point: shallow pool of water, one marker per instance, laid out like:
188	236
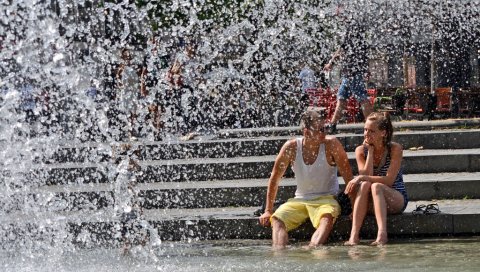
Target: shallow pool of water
256	255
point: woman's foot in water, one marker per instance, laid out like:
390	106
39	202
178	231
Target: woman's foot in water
382	239
353	241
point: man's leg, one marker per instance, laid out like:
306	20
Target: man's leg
323	231
279	234
342	95
341	104
359	92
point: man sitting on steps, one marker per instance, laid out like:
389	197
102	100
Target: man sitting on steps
315	158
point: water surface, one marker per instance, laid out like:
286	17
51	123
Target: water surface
256	255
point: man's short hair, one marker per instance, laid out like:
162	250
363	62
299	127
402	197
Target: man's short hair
310	116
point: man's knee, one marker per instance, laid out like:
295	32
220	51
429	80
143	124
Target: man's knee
277	223
327	218
326	222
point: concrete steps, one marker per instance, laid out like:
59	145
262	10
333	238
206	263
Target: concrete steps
209	189
457	217
352	128
228	193
252	167
245	147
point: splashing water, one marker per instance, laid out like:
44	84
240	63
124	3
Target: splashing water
61	85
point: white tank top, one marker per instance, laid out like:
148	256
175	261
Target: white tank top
317	179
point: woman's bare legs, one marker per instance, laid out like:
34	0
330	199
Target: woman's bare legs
386	200
360	208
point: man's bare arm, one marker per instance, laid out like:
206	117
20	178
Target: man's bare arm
283	160
335	56
341	160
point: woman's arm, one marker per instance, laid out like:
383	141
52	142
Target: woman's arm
365	166
396	156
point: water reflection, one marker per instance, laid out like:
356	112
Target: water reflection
254	255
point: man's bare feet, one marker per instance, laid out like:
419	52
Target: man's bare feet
279	247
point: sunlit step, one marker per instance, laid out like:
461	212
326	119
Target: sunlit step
85	154
221	193
91	229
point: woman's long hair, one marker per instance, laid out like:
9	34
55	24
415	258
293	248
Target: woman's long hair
384	123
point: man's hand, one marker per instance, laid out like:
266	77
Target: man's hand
265	219
335	56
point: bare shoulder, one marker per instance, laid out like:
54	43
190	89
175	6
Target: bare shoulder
331	140
332	143
396	147
290	144
289	149
360	149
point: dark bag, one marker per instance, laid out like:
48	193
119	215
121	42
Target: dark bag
345	203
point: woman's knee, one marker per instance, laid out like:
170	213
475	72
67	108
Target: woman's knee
365	187
377	188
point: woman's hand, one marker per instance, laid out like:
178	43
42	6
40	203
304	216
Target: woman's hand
370	147
352	186
367	144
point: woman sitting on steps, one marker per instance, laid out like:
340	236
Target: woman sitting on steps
379	188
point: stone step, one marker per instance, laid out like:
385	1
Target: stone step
89	229
457	217
244	147
225	193
414	162
350	128
201	169
244	193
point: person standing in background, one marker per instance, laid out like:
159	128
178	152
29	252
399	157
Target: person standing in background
353	57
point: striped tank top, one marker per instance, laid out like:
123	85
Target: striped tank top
398	185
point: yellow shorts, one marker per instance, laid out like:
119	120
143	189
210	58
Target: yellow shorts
295	211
